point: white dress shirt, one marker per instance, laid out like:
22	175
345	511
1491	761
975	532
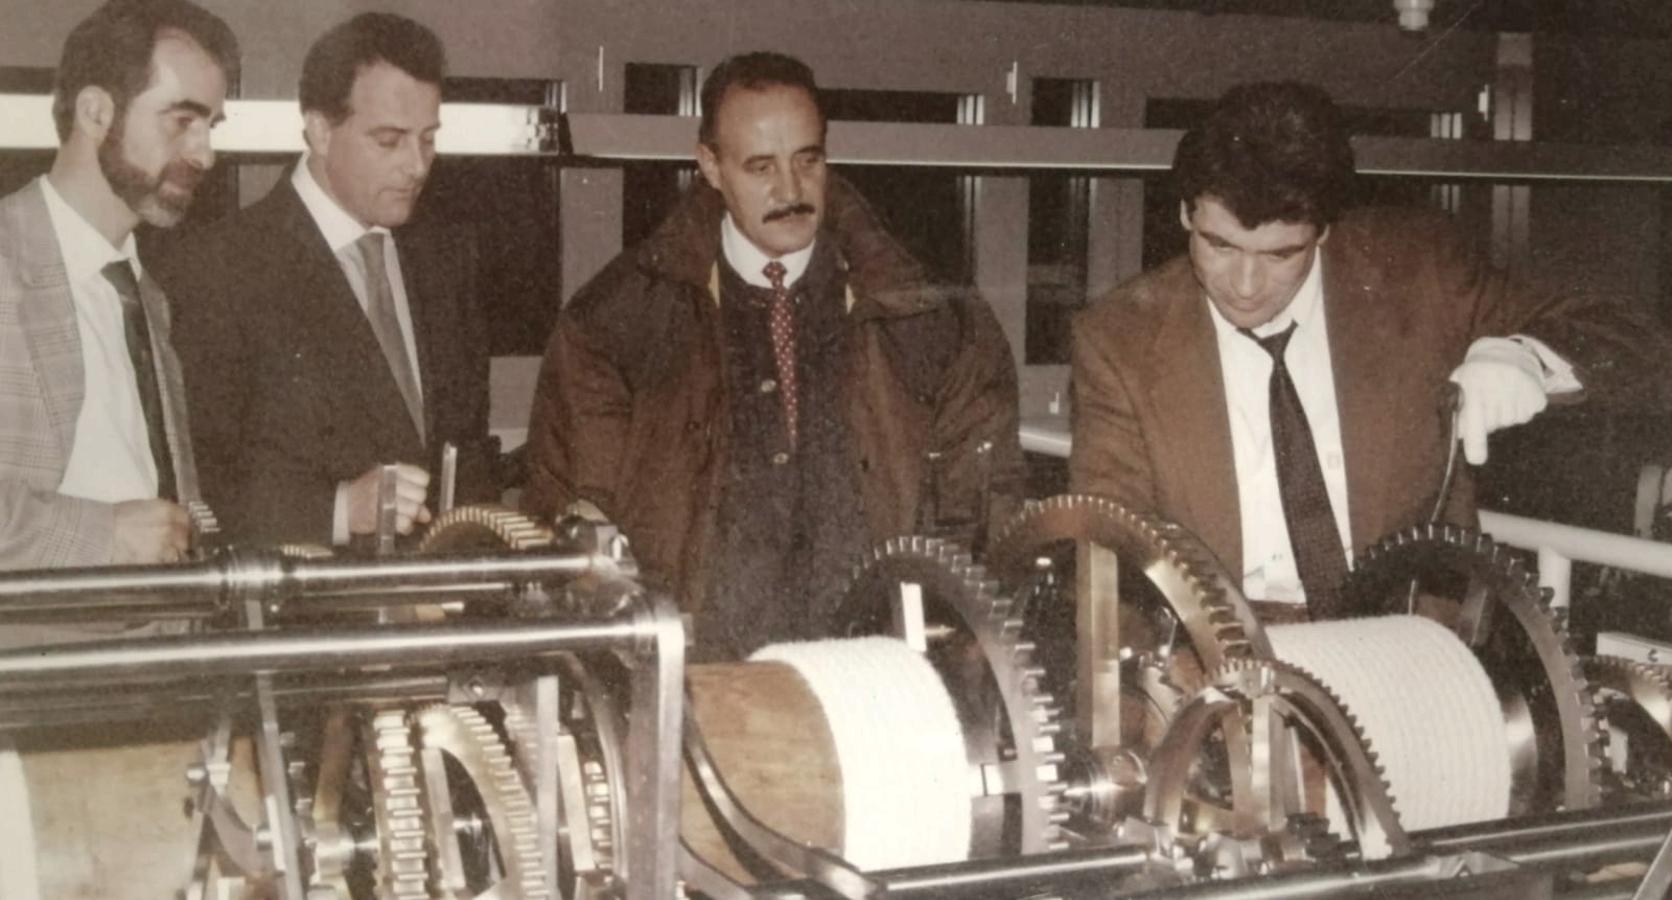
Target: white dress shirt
1268	569
110	458
342	233
750	263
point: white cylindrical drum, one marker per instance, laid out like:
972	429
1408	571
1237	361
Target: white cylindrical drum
1422	698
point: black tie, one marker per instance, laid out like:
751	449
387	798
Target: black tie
121	276
1319	557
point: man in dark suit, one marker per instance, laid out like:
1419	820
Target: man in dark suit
320	338
1278	390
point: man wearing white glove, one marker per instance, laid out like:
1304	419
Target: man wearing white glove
1504	382
1281	390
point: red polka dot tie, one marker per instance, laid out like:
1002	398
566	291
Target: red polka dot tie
783	342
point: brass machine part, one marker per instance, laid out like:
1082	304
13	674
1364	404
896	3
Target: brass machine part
1151	610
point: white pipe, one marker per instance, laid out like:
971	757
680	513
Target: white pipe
1580	544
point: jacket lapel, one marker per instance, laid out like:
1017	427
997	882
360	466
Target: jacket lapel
1187	397
327	303
46	313
1357	334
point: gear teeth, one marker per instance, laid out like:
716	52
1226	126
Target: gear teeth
484	526
404	865
463	733
992	619
1378	583
1332	721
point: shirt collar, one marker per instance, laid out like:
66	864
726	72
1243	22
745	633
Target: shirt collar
1302	310
85	250
339	228
748	260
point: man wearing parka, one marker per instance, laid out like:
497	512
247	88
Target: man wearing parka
755	429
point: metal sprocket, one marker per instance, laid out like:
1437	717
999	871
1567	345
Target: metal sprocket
484	526
1635	701
1253	706
1196	591
1464	580
403	859
1011	723
466	736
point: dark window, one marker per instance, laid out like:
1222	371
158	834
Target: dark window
1059	205
650	189
509	205
928	210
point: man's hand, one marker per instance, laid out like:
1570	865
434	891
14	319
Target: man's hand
1503	385
411	485
150	531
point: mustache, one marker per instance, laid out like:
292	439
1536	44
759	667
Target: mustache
797	209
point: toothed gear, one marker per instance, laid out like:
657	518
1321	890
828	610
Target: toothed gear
403	859
1198	592
592	720
484	526
463	733
1635	700
305	551
1534	661
1228	707
947	574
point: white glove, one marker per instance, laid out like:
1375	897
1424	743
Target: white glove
1503	385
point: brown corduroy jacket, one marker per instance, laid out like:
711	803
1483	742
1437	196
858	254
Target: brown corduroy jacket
1404	297
630	412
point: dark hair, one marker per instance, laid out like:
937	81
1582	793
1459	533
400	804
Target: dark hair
1270	152
335	60
753	71
112	49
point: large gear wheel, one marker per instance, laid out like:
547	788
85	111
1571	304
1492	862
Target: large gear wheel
482	527
1204	600
1010	722
403	858
1634	700
364	826
483	786
589	743
1252	709
1172	606
1485	594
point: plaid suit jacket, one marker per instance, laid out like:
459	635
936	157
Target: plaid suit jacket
41	391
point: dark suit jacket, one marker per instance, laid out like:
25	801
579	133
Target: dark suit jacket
1404	297
289	391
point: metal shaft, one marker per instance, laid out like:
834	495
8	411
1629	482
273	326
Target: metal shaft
244	653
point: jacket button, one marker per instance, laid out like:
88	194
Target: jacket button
768	385
780	458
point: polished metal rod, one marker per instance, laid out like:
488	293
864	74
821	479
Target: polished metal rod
999	877
244	653
201	588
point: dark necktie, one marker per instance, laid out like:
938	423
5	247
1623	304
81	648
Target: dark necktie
138	333
380	309
783	342
1319	557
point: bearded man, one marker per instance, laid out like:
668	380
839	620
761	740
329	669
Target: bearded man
95	456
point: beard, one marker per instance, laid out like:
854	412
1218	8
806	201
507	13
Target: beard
161	200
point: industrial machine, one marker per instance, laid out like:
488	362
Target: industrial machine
1094	710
